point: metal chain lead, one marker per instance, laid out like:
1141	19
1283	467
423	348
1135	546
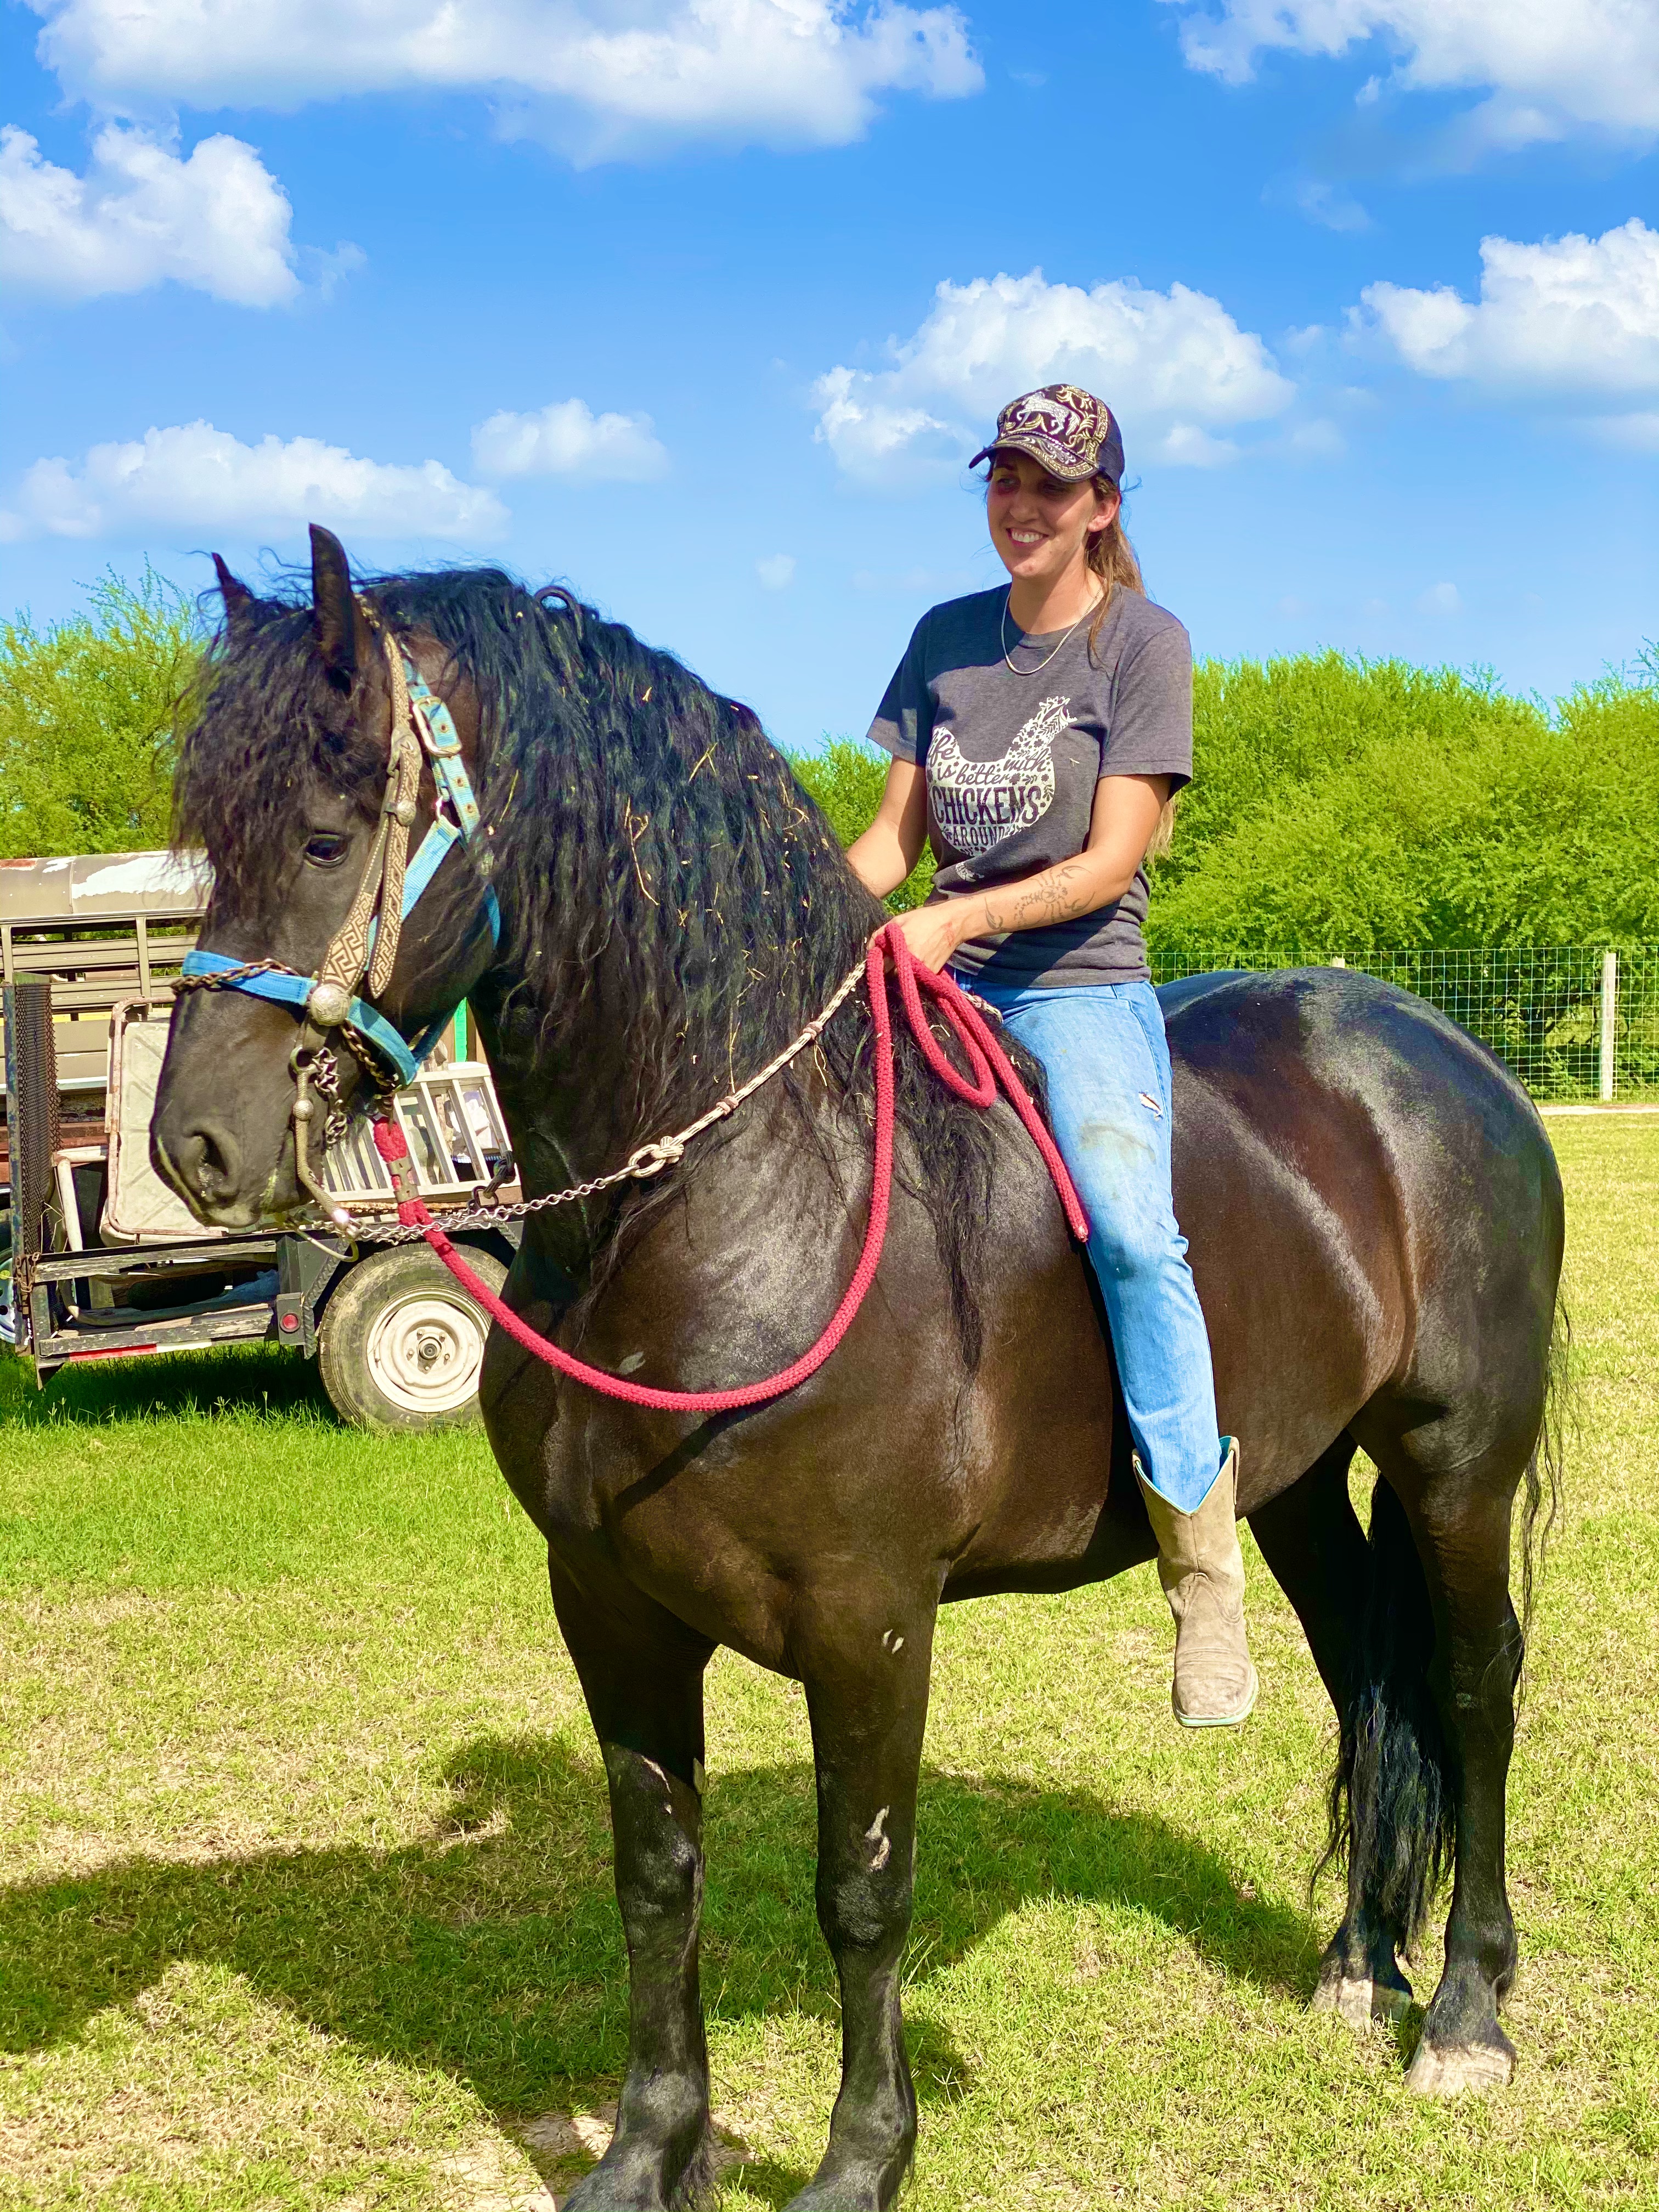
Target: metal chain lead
640	1165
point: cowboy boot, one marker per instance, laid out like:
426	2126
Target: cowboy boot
1202	1571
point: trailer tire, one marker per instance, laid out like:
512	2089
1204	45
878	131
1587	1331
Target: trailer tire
400	1343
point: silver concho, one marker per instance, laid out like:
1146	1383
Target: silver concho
328	1006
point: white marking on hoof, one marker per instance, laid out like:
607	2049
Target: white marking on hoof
876	1835
1479	2067
1360	2002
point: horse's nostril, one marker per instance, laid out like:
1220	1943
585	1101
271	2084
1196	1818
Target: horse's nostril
207	1160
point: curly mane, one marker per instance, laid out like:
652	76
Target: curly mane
648	843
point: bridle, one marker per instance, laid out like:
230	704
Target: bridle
366	943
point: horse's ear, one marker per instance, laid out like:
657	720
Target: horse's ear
232	591
340	627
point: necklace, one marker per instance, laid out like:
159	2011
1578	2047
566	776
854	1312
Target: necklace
1052	649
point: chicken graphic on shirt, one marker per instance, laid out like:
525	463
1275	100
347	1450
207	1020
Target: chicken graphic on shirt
976	803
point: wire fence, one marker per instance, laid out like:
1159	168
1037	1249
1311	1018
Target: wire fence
1574	1022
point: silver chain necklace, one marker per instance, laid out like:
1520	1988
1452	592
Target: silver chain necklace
1052	649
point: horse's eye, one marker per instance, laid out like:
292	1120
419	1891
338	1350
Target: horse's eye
327	849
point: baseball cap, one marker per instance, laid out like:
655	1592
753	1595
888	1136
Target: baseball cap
1067	430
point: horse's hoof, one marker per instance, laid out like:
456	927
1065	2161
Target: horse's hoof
625	2182
1479	2067
1361	2002
855	2184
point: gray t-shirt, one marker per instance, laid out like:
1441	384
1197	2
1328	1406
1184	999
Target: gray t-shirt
1012	760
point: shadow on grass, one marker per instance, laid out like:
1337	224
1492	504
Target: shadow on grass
241	1379
491	1947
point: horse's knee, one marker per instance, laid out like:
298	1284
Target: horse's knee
861	1908
657	1829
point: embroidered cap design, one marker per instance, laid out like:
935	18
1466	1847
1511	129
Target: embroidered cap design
1071	432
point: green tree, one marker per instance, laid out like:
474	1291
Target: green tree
1345	805
89	709
1345	808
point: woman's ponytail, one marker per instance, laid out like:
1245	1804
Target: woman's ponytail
1112	558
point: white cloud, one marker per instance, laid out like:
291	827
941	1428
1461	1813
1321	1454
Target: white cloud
597	77
568	439
1316	439
1441	600
1573	315
1548	67
1330	206
195	477
1174	365
217	219
777	571
1634	434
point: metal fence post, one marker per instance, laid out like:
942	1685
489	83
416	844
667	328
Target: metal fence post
1609	1024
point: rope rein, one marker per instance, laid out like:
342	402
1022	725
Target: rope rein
364	950
647	1160
991	1069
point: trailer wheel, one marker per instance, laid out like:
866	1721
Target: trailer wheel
400	1343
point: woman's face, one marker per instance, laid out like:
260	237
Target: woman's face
1040	527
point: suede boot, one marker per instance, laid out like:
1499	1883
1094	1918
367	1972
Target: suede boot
1202	1571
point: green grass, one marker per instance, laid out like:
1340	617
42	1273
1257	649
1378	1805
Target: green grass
307	1897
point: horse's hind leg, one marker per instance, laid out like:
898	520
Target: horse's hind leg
866	1663
1310	1537
1459	1516
641	1673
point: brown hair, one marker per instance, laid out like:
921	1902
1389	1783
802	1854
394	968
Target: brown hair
1112	558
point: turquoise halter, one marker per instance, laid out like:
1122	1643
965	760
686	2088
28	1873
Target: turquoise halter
367	942
440	742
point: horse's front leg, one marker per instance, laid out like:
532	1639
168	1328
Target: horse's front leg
642	1673
865	1666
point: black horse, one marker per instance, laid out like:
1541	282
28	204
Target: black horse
1375	1226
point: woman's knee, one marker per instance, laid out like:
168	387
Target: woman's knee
1133	1243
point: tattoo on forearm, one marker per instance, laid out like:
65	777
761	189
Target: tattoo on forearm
1059	894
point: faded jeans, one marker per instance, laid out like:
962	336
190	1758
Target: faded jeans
1102	1049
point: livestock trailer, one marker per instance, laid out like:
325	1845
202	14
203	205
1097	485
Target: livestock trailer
101	1260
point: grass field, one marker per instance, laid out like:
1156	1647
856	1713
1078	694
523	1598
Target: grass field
307	1895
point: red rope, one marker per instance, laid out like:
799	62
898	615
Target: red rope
990	1066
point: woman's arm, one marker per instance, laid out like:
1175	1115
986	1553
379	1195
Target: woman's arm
884	855
1124	819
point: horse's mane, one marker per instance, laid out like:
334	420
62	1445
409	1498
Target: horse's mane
647	842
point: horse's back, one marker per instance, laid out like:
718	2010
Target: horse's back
1373	1206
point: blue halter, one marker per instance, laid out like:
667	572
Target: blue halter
440	743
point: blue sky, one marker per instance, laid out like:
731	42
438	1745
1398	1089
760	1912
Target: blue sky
702	304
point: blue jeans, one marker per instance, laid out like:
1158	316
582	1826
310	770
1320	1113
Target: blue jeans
1102	1048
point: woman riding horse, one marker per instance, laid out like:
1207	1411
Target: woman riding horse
1038	735
643	910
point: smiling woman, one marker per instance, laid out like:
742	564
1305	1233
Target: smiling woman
1038	734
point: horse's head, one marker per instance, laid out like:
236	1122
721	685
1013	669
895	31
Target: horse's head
310	780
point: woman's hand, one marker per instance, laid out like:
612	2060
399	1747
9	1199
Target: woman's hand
932	932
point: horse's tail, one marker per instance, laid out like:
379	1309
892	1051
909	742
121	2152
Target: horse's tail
1541	1490
1393	1805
